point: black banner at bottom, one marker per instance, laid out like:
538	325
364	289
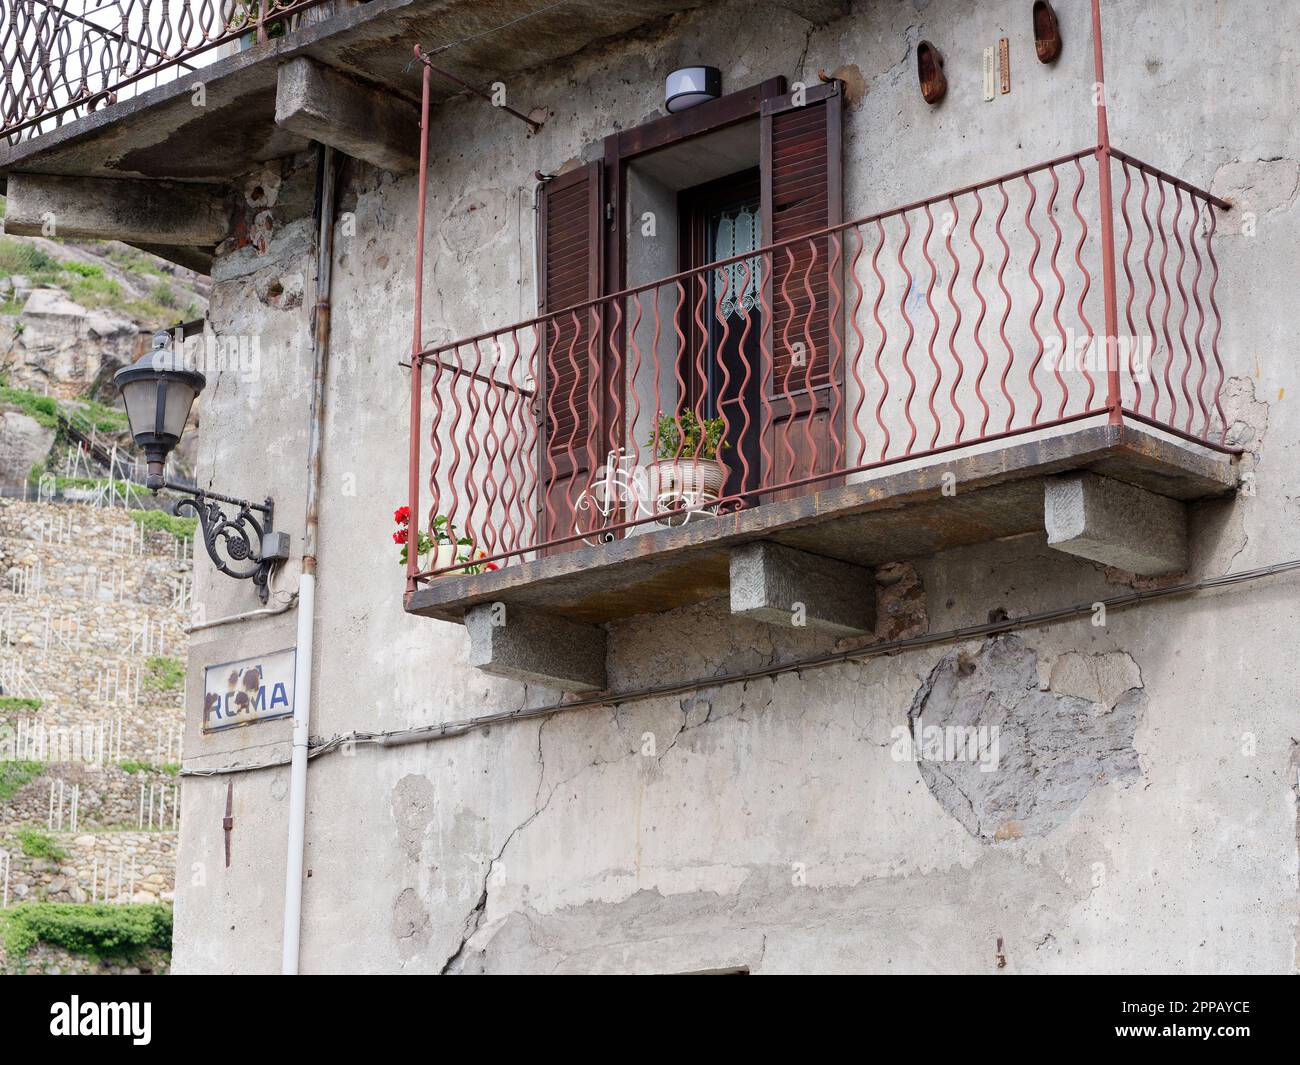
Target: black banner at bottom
184	1013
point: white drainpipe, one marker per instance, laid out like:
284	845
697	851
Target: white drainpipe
293	878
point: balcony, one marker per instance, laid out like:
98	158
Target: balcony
178	103
926	377
96	90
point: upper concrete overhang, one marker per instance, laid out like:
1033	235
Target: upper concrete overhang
162	134
900	511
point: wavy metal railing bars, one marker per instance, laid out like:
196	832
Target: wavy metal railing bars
61	59
962	319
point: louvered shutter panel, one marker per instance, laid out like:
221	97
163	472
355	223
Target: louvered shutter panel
801	194
569	270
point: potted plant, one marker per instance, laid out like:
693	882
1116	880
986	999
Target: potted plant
243	20
687	471
445	545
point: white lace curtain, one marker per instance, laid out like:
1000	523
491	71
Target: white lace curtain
737	233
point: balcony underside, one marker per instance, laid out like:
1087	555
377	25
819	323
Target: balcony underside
160	133
896	512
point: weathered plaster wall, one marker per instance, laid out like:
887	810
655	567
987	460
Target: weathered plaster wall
770	825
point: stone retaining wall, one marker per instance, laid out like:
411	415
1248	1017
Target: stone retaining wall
45	959
97	867
108	797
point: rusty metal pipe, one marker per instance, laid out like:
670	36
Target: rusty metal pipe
417	342
419	54
307	580
1107	225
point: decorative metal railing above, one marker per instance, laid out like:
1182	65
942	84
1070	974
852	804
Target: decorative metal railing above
61	59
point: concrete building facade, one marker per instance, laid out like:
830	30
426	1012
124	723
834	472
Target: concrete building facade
1025	746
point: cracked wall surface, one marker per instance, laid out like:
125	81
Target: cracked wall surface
770	825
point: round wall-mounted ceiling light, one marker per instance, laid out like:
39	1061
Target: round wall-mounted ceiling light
690	86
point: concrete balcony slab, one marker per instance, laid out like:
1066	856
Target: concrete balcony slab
161	133
901	511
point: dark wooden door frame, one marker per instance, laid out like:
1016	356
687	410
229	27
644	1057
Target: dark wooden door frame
623	147
695	207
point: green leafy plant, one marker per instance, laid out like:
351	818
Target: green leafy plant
161	521
13	775
685	436
39	845
133	766
247	19
43	409
443	533
163	674
164	295
89	414
19	702
84	269
93	929
27	260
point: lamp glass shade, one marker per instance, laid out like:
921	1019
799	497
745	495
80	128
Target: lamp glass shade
141	400
158	398
180	398
690	86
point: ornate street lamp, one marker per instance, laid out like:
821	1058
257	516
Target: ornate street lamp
158	392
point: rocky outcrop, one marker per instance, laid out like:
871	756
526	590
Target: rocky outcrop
24	443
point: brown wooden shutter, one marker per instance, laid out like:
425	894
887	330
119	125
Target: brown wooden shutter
569	272
801	193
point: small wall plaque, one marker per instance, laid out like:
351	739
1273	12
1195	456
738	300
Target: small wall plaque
253	689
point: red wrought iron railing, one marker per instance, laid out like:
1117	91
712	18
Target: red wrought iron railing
60	59
973	316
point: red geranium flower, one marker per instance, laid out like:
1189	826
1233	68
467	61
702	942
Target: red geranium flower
399	537
402	515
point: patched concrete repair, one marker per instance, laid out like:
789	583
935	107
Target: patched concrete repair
1008	758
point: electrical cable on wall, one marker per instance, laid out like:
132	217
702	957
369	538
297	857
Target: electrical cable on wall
446	730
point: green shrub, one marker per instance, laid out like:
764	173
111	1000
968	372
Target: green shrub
125	488
13	775
96	291
161	521
43	408
132	261
163	295
18	257
19	702
84	269
163	674
39	845
88	414
132	766
94	929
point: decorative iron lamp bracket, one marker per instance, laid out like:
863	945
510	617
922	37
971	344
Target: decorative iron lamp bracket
241	546
158	391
